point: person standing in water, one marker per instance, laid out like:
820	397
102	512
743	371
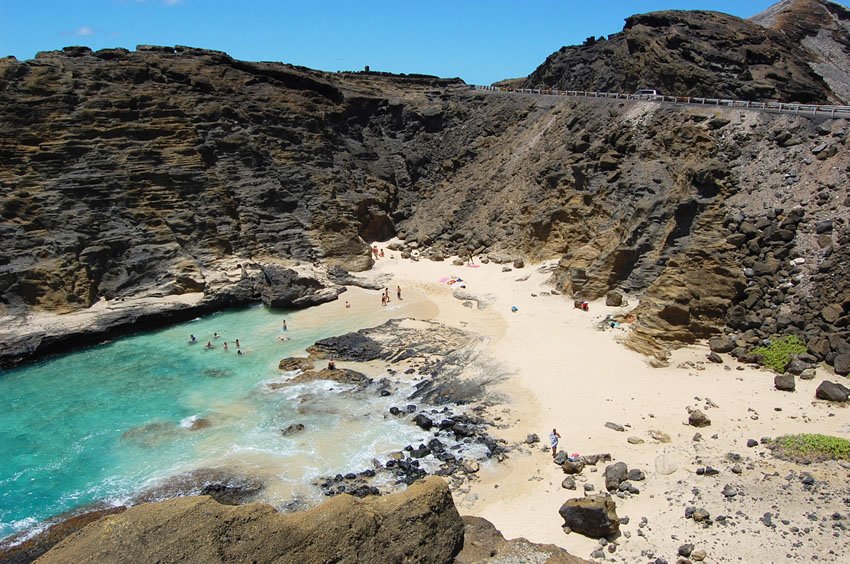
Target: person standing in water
225	346
237	343
553	441
284	325
398	292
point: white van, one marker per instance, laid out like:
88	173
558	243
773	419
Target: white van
646	94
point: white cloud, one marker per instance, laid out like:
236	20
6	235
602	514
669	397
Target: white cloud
84	31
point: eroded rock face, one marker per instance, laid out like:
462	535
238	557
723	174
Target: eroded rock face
694	53
420	524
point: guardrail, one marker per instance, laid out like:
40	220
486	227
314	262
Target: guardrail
777	107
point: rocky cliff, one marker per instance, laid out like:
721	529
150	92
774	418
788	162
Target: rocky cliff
797	51
193	180
420	524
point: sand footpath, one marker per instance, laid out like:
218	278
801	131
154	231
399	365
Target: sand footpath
568	374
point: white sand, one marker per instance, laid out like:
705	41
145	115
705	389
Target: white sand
571	376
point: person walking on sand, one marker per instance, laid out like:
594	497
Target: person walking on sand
553	441
398	292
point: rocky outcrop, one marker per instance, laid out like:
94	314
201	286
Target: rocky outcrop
709	54
420	524
482	542
822	27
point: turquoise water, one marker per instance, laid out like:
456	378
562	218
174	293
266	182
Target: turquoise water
102	423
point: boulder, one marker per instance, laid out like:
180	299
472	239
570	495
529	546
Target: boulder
519	263
722	344
841	363
569	483
572	467
615	474
532	439
293	363
715	358
832	312
423	421
282	287
784	382
614	298
698	419
593	516
420	524
831	391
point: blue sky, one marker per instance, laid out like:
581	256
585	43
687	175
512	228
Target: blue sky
479	40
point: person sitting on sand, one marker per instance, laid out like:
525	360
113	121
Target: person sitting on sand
331	364
347	305
381	253
553	440
209	345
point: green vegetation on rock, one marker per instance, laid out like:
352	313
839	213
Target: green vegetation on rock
811	447
779	353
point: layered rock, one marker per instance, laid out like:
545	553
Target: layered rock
714	55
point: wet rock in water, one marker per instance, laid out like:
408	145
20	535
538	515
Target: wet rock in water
218	483
698	419
615	474
593	516
832	391
532	439
292	429
423	422
784	382
341	375
293	363
200	423
14	552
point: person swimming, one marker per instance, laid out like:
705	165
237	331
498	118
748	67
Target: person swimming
237	343
193	339
216	336
239	352
225	346
209	345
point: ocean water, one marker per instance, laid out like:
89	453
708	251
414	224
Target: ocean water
108	421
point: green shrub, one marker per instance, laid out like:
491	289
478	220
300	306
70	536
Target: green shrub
811	448
779	353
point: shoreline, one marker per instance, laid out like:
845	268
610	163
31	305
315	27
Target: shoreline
558	370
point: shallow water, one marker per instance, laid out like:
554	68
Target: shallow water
105	422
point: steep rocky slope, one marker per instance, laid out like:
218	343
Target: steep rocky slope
157	173
821	27
710	54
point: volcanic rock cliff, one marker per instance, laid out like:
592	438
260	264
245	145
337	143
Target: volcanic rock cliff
174	172
796	51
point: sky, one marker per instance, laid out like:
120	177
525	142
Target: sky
481	41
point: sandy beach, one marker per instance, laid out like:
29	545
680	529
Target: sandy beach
567	374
